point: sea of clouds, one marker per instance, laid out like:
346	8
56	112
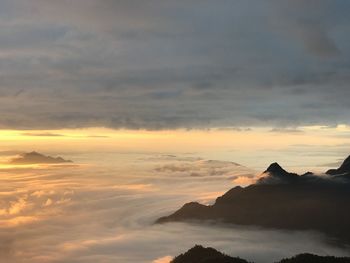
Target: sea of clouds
102	209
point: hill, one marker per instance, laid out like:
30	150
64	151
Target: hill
280	199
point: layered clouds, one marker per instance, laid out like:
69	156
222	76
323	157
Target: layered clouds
105	213
166	64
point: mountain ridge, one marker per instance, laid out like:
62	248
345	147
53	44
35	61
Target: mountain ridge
344	168
305	202
37	158
200	254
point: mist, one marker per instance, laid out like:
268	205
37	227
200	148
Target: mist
104	211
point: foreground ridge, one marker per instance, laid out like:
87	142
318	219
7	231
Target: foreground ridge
200	254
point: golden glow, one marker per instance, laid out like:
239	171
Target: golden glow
165	259
167	140
20	220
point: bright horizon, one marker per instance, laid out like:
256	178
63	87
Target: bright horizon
227	143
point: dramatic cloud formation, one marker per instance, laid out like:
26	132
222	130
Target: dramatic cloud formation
42	210
168	64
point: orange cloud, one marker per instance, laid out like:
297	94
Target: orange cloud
165	259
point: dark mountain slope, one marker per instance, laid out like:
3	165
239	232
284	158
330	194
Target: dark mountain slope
344	169
199	254
275	174
291	201
309	258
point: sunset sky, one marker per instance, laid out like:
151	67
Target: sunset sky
170	71
140	94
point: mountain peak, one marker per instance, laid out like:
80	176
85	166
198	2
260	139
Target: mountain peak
276	169
202	254
346	163
343	169
275	174
37	158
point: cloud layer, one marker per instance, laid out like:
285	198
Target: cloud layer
165	64
42	210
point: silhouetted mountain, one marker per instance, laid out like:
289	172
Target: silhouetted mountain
199	254
275	174
276	170
310	258
344	169
37	158
280	200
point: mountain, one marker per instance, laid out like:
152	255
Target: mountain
275	174
199	254
37	158
280	199
310	258
344	169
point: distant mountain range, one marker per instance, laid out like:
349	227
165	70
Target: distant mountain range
199	254
284	200
37	158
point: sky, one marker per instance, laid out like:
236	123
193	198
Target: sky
158	65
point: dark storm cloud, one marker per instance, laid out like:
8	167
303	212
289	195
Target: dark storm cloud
166	64
313	21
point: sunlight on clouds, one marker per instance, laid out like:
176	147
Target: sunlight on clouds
175	141
105	212
17	221
48	202
165	259
17	206
5	166
137	187
41	193
32	199
88	243
243	180
343	127
316	127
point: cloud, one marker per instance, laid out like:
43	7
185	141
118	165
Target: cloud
165	259
166	64
318	42
9	153
286	130
17	206
117	209
205	168
45	134
312	22
98	136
